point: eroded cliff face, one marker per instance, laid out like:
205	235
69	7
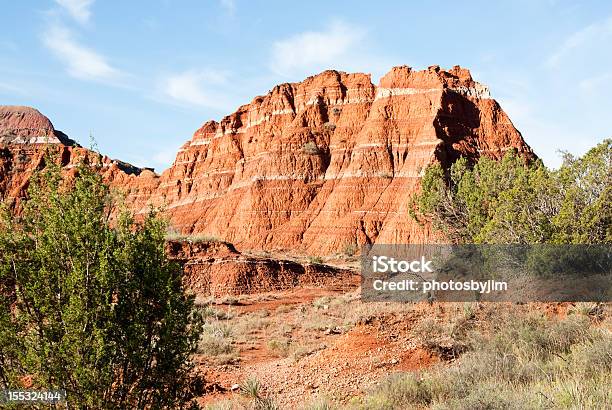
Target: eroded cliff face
326	163
331	161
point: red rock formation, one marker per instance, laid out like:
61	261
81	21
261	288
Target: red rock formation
22	125
25	137
217	268
325	163
331	161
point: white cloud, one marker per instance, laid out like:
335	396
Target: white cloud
205	88
80	10
315	50
595	37
229	5
81	62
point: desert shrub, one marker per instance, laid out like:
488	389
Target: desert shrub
97	308
315	260
311	148
595	356
284	308
320	404
518	201
448	340
266	403
488	397
594	311
400	389
329	126
207	312
246	324
224	405
229	300
204	238
216	339
253	390
534	338
527	363
322	302
349	249
299	351
280	347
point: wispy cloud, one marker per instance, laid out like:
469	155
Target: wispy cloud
80	10
202	88
229	5
81	62
315	50
592	37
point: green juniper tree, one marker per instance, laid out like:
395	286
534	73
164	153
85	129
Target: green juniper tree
515	201
585	187
90	305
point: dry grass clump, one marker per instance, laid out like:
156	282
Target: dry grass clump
524	361
315	260
280	347
217	339
320	404
252	390
177	236
449	338
247	325
252	397
346	311
209	312
350	249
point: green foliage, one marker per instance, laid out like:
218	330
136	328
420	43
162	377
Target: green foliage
252	389
585	214
92	308
517	201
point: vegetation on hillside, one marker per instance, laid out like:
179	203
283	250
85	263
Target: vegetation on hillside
523	362
88	306
518	201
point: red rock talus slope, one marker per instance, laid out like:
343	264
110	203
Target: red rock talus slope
329	162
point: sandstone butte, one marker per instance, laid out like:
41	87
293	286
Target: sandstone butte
310	167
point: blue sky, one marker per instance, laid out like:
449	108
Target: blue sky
141	76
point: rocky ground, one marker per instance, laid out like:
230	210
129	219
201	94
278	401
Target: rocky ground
306	345
309	343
